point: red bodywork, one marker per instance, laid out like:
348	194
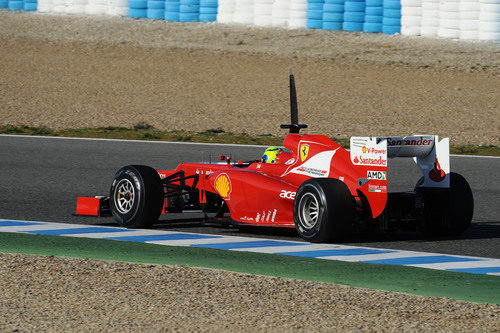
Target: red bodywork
262	194
88	206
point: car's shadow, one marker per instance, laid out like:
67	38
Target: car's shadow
478	230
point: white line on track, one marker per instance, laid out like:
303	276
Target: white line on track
304	246
481	156
180	143
134	141
127	233
383	256
205	241
297	248
488	265
461	264
40	227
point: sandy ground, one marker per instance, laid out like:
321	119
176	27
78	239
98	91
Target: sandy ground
81	295
67	72
90	72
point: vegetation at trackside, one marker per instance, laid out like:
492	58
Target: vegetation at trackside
412	280
143	131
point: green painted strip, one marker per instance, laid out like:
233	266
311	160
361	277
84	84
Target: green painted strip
419	281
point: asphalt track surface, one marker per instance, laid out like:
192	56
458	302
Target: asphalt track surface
41	178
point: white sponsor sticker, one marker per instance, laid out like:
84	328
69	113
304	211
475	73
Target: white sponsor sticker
377	188
366	151
316	166
207	172
287	194
409	146
378	175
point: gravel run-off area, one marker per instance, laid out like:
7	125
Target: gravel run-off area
68	295
78	71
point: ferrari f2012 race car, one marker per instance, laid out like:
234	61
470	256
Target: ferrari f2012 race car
315	186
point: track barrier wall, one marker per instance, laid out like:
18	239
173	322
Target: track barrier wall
455	19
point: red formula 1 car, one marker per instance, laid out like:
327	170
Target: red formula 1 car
315	186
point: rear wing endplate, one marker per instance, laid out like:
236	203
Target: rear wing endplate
431	155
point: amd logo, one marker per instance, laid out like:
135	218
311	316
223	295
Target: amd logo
287	194
378	175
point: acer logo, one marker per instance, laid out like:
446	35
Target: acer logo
287	194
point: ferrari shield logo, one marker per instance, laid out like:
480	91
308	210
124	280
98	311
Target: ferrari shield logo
304	151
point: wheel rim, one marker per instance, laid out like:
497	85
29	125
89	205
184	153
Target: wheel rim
124	196
309	210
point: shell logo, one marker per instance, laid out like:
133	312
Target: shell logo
364	149
223	185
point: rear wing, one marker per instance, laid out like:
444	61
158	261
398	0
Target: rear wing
431	155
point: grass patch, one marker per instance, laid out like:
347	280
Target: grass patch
144	131
476	150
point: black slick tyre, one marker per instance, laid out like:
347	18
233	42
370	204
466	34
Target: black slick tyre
136	196
448	212
323	210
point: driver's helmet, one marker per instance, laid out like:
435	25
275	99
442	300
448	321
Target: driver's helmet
271	154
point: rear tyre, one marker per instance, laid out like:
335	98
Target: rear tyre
448	212
136	196
323	210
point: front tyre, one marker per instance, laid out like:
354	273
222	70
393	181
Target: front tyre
323	210
136	196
